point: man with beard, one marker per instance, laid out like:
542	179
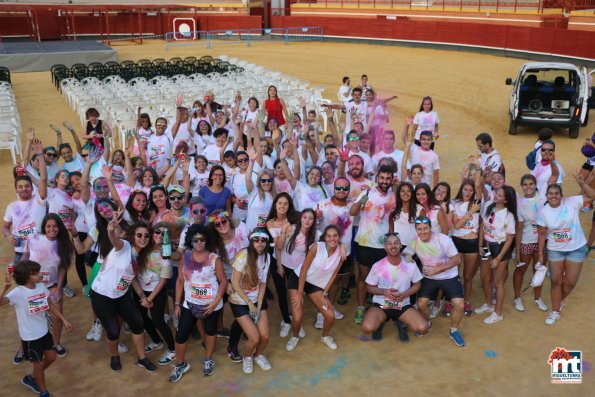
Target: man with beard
354	148
374	206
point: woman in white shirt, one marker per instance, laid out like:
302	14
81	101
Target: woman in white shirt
426	120
248	302
315	277
111	296
260	200
560	225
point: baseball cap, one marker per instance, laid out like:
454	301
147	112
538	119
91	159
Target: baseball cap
176	188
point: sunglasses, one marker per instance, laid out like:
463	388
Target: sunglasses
259	239
175	198
353	138
266	180
199	240
158	231
160	125
223	222
424	221
200	211
142	235
84	155
51	154
547	150
387	235
242	160
344	188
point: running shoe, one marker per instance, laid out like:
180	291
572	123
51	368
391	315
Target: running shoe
208	367
284	329
292	343
483	309
60	351
179	371
126	328
122	348
541	304
344	297
493	318
248	365
263	363
166	318
377	335
69	292
91	333
518	304
234	355
359	315
329	342
401	330
147	365
468	309
319	323
167	357
338	314
447	310
30	382
457	338
115	364
302	333
18	357
44	394
223	333
153	346
552	318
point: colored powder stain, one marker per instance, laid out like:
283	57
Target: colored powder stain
490	353
587	366
315	380
363	338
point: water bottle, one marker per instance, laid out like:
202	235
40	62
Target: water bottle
166	245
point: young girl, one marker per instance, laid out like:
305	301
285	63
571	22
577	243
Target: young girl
402	219
306	195
315	277
426	120
137	207
31	301
95	129
275	107
53	249
248	303
498	230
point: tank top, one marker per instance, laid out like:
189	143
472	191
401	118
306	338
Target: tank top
275	110
200	282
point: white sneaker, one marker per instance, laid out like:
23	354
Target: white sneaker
175	321
91	333
518	304
291	343
483	309
167	357
541	304
126	328
284	329
302	333
67	291
338	314
166	318
122	348
434	311
153	346
552	318
263	363
247	365
329	342
493	318
319	321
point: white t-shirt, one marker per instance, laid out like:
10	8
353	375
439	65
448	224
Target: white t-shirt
239	242
373	223
26	218
543	173
116	273
298	254
77	164
239	265
239	190
563	224
60	203
200	285
344	89
425	122
527	209
156	269
368	163
30	306
405	229
428	159
497	224
213	153
385	275
184	135
360	116
337	215
493	161
159	151
396	155
306	196
44	252
248	117
435	252
258	209
471	225
323	267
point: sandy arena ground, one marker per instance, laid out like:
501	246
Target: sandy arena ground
508	358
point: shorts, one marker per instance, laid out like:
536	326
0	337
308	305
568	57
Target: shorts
578	255
33	349
530	249
345	267
393	314
496	248
452	288
367	256
293	282
466	246
243	310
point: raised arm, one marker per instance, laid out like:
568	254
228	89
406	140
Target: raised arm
252	156
292	179
178	102
27	151
130	178
42	187
112	230
107	174
75	137
337	136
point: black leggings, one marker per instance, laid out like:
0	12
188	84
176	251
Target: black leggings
281	288
155	322
81	271
188	321
107	310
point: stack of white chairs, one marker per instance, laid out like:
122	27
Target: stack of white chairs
118	100
10	122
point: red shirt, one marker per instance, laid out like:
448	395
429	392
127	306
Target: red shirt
275	110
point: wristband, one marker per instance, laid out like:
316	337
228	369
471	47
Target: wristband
325	294
176	304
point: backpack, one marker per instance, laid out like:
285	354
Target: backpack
531	157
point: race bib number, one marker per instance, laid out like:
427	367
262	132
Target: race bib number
488	230
562	235
201	291
535	228
469	225
123	283
37	303
45	277
393	305
261	220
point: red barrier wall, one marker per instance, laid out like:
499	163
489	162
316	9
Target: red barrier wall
545	40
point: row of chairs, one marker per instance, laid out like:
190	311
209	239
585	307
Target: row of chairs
5	74
10	122
148	69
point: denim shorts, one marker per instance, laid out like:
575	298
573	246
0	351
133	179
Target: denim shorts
578	255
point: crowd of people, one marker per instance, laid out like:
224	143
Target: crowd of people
190	218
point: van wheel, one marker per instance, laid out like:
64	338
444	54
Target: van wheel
573	132
512	129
